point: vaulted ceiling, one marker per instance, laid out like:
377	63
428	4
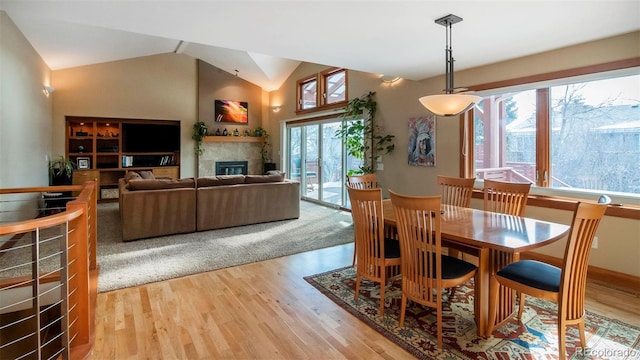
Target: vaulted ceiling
266	40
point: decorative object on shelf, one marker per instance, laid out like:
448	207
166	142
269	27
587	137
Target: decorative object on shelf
82	133
218	132
365	139
225	132
199	131
258	132
60	171
449	104
84	163
80	148
246	132
232	111
236	132
422	141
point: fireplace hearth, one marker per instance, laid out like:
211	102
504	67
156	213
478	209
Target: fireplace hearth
231	167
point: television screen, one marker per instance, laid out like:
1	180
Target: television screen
151	137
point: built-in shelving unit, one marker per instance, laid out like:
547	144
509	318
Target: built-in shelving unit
104	149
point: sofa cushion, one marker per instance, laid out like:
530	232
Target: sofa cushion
147	175
220	180
252	179
132	175
157	184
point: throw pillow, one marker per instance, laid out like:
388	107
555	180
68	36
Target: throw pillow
131	175
147	175
220	180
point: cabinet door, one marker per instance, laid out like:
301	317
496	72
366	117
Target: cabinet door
168	171
81	176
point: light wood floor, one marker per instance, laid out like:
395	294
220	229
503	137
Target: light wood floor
264	310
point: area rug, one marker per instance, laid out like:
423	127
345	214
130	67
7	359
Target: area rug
126	264
534	338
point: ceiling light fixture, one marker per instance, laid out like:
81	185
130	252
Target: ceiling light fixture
449	104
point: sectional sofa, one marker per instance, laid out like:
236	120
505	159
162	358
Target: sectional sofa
151	207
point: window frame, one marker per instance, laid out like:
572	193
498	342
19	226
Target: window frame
542	195
321	93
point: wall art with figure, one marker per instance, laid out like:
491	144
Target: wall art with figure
422	141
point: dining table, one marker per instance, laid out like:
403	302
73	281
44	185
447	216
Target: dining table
496	239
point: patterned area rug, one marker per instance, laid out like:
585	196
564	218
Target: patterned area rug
534	338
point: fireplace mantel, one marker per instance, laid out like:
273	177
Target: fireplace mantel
252	139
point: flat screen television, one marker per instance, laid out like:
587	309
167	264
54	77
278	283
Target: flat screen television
151	137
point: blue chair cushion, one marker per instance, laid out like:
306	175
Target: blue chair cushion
533	273
453	267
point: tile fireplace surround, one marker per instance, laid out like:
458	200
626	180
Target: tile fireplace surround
229	151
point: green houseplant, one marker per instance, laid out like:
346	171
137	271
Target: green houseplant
60	171
364	139
200	130
265	150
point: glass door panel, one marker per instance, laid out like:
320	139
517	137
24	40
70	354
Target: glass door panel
331	178
311	156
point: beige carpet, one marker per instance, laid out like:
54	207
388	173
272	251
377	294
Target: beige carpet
125	264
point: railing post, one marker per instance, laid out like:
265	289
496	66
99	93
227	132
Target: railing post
80	268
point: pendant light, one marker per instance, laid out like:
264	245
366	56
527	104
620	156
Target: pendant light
449	104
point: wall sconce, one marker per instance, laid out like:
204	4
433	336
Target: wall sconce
48	90
276	108
389	79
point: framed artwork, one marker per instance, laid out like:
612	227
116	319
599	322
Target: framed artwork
84	163
422	141
232	111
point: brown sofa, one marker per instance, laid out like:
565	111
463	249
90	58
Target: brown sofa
152	207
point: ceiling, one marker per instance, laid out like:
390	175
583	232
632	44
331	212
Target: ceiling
266	40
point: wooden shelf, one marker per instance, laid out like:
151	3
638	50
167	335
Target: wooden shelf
233	139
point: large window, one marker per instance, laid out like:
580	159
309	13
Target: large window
573	134
322	91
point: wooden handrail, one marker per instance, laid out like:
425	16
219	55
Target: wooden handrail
78	304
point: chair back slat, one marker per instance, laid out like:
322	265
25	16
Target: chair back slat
418	223
368	222
365	181
506	197
576	258
456	191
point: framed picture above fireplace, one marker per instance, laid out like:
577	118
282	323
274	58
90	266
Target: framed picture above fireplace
229	111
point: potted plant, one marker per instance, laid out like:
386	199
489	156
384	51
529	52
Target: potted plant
265	150
60	171
363	137
199	132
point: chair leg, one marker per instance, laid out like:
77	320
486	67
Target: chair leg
561	339
439	320
354	254
583	339
357	287
403	308
493	291
520	305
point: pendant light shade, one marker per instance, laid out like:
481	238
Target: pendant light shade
449	104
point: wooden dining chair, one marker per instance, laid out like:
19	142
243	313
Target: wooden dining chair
457	192
506	197
425	270
364	181
564	285
374	252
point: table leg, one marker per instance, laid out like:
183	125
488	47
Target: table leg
481	303
504	307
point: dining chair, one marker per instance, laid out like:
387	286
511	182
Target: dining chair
506	197
425	270
375	253
564	285
364	181
457	192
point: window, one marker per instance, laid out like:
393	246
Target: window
581	134
322	91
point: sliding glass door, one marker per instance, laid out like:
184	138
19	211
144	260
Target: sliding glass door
315	158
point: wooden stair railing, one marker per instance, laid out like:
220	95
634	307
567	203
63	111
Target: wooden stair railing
28	301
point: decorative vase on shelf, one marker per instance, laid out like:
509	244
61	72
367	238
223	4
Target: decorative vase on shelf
218	132
236	132
225	132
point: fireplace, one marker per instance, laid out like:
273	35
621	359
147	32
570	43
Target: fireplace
231	167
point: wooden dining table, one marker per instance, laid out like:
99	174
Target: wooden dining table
496	239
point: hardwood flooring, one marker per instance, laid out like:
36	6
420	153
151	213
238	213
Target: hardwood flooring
263	310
